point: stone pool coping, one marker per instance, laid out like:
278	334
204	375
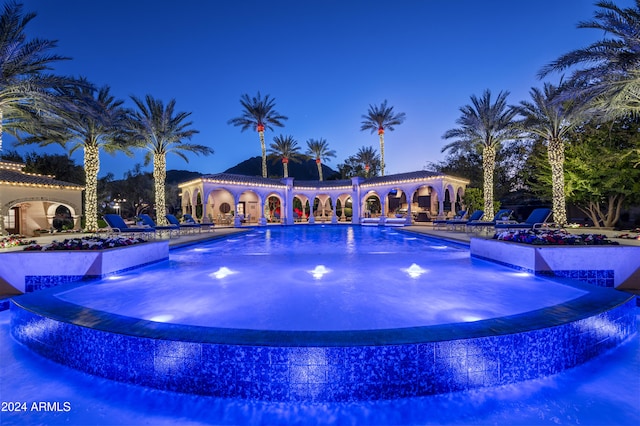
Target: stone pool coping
595	301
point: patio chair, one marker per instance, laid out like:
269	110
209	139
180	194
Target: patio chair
455	223
479	225
188	219
442	223
148	221
536	219
184	227
118	226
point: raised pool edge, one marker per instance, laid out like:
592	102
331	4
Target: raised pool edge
329	365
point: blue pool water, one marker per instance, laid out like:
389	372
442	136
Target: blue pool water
602	391
321	278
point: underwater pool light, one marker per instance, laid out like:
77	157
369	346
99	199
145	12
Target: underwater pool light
415	271
222	273
319	271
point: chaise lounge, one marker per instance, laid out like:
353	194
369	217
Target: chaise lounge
183	226
536	219
479	225
117	226
442	223
170	229
455	223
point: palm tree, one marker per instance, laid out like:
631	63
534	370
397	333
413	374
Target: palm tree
259	114
483	128
550	119
319	149
606	73
24	87
381	118
160	130
91	121
369	158
286	149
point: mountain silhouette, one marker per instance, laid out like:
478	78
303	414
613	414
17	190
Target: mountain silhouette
304	170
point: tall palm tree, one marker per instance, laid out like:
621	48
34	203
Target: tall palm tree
258	113
550	119
160	130
319	149
484	126
369	158
285	148
89	120
24	87
606	74
381	118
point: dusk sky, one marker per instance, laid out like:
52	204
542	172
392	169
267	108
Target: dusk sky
324	62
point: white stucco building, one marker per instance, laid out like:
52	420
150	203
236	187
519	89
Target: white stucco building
31	202
227	198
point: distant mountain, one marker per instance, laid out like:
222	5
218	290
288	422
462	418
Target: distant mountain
305	170
180	176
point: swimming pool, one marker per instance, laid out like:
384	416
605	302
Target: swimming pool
321	279
367	314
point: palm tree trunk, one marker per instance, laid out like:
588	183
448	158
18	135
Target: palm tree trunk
555	153
319	164
381	135
488	166
1	118
91	169
159	177
264	154
2	231
285	166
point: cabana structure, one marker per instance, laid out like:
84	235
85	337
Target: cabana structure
32	202
225	198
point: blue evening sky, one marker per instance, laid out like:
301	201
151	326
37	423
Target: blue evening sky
324	61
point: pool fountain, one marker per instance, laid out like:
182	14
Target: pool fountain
347	314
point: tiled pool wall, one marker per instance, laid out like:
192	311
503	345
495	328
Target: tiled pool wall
344	372
602	266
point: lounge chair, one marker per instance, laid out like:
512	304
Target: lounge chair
188	219
118	226
442	223
170	229
479	225
536	219
455	223
186	227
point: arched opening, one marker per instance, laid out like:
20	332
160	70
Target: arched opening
62	221
397	203
372	205
422	204
322	207
344	208
199	207
220	207
300	208
273	209
248	208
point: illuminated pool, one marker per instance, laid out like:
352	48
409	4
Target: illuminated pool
315	313
321	279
